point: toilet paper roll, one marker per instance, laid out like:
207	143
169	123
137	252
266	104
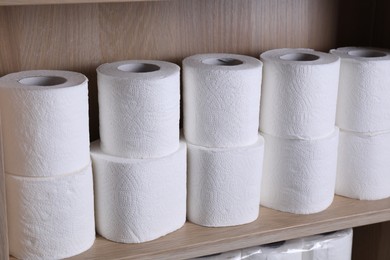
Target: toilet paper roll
50	217
44	117
139	108
224	184
363	99
283	250
299	93
299	175
138	200
328	246
221	99
363	166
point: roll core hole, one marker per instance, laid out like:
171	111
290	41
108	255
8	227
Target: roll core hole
44	81
299	57
138	67
222	61
367	53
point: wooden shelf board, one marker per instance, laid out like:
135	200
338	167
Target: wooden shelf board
47	2
271	226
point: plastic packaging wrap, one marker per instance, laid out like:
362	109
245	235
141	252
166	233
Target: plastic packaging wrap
327	246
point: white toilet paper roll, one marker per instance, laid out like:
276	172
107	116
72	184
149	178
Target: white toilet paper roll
328	246
284	250
363	99
139	108
363	166
221	99
138	200
44	117
50	217
299	175
299	93
224	184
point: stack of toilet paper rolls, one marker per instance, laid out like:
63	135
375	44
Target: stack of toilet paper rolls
139	163
363	116
298	109
225	151
48	174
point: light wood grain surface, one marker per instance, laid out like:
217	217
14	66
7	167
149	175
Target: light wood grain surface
271	226
46	2
81	37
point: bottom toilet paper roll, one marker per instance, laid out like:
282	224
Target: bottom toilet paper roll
283	250
138	200
50	217
224	184
329	246
363	169
299	175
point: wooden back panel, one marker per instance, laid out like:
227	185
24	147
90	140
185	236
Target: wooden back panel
81	37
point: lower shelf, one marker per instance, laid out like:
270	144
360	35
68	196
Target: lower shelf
271	226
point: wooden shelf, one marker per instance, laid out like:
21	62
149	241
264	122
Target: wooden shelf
192	240
79	36
46	2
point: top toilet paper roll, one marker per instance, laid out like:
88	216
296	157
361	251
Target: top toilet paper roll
364	91
44	117
221	99
139	108
299	93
